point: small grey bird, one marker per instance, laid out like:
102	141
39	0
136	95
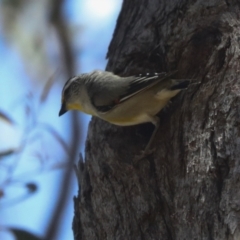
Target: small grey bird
119	100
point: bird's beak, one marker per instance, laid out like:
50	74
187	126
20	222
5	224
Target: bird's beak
62	110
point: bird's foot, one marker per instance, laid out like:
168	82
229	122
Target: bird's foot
142	155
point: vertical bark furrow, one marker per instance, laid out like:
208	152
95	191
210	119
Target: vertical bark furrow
189	188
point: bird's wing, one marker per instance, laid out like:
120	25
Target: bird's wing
110	97
141	83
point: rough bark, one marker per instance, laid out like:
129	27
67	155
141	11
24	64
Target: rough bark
189	188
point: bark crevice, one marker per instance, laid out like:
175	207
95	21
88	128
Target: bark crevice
189	187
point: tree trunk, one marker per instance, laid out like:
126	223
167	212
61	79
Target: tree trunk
189	188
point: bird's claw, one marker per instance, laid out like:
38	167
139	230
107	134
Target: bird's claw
142	155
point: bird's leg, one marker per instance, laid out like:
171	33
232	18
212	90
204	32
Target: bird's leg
155	122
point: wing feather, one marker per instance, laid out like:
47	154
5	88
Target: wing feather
132	85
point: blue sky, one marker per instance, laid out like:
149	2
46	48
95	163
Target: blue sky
96	21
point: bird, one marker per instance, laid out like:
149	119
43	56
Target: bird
122	101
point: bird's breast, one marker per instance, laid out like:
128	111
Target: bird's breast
79	107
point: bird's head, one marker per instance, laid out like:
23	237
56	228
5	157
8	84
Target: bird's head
71	95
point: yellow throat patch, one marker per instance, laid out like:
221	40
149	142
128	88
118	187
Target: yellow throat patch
79	107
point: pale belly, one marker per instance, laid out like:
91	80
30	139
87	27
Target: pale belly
132	121
140	109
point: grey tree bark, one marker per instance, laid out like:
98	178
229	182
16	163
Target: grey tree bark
189	188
